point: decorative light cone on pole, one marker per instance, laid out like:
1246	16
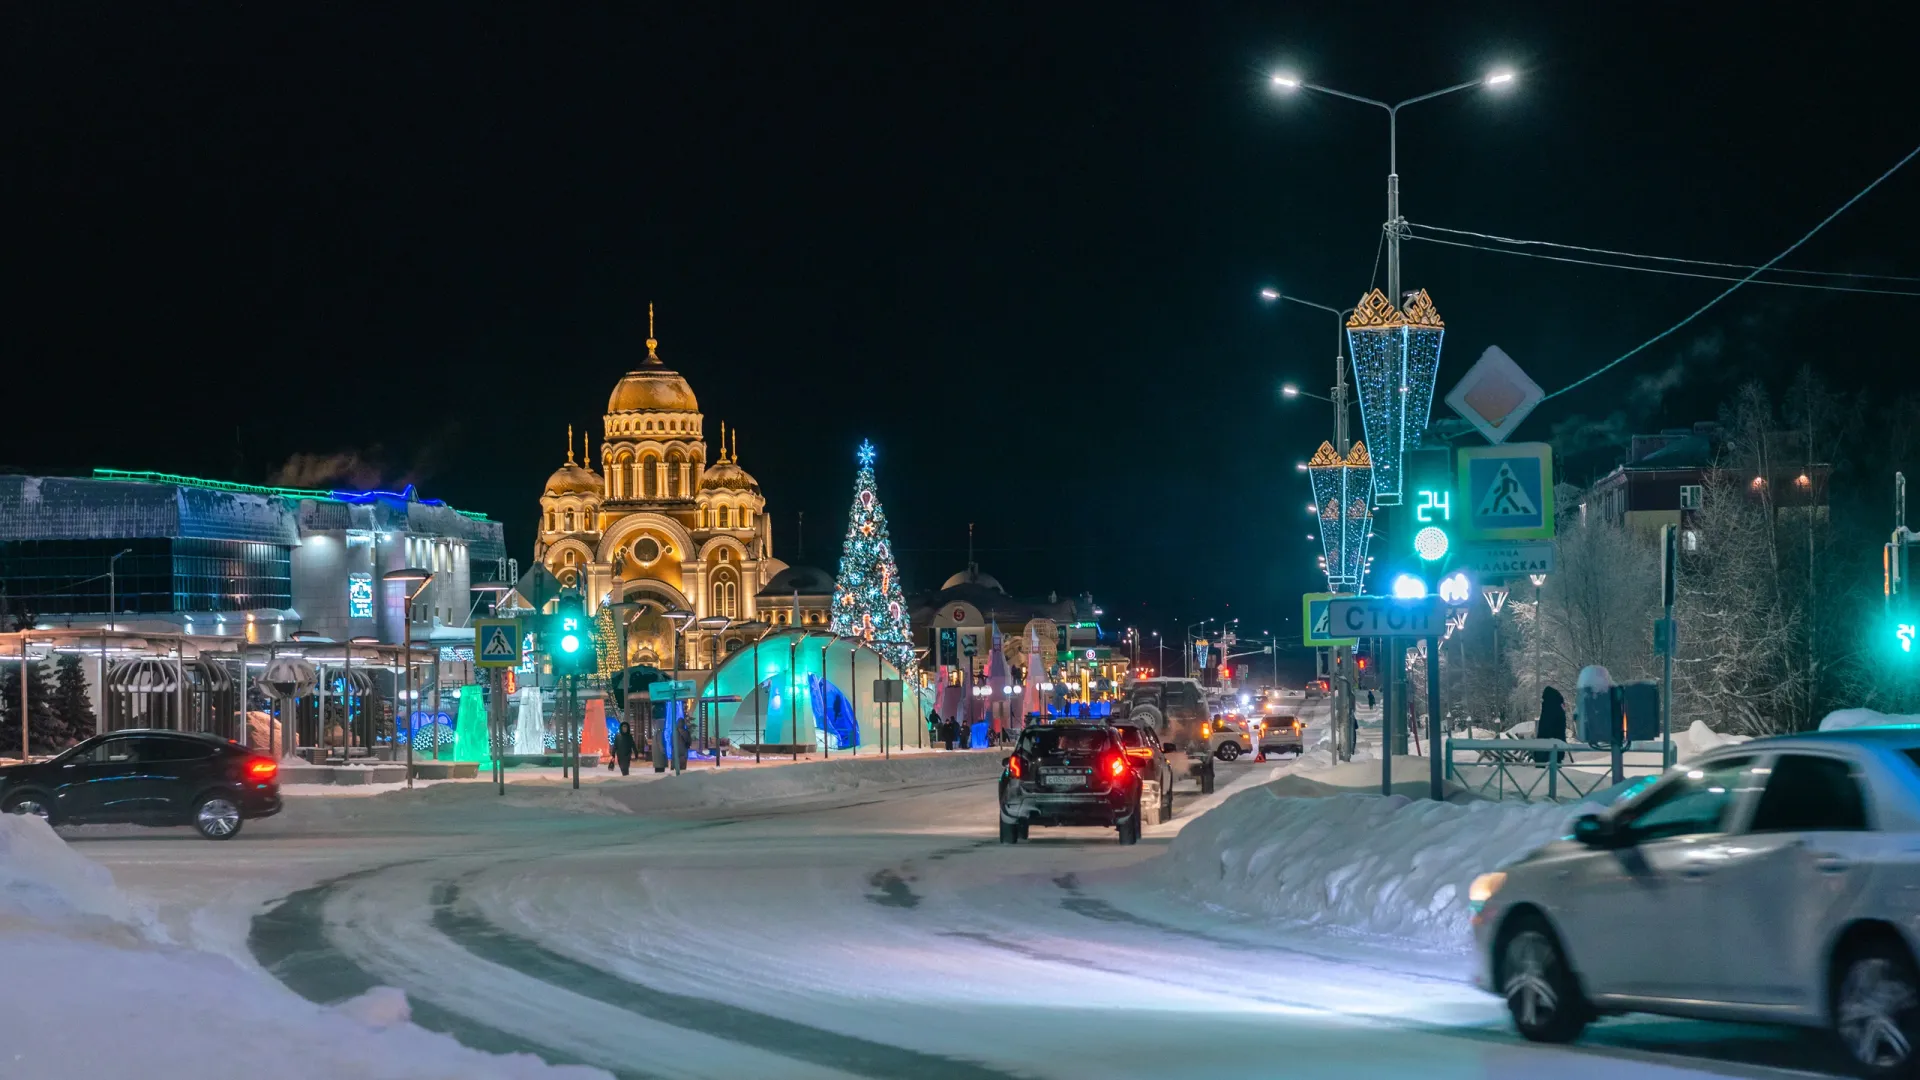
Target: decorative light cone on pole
1396	359
868	602
1342	496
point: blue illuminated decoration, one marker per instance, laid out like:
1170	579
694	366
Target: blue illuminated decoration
1342	497
375	495
359	596
866	452
1396	360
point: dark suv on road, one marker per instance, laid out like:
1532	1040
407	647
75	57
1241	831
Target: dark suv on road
1149	759
148	777
1176	710
1069	774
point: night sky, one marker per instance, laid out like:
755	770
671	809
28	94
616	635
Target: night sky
1017	246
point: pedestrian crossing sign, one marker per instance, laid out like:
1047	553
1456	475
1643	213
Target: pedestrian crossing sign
1507	492
1317	622
496	643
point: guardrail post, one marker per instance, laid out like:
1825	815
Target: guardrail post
1553	775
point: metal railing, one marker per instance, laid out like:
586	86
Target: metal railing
1529	769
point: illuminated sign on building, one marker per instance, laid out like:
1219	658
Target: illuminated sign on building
359	596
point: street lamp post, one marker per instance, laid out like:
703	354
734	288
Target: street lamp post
419	579
496	685
714	626
679	617
1394	686
1396	226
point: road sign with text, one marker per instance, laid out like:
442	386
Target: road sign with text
1387	616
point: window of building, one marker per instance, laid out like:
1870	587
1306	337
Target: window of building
724	555
569	521
549	521
1690	539
726	595
1691	496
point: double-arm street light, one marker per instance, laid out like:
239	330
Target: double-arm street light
1339	398
1396	225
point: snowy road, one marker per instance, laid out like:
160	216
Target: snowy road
869	934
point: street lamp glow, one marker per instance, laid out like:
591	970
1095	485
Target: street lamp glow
1409	587
1500	78
1312	509
1290	82
1289	390
1300	466
1269	295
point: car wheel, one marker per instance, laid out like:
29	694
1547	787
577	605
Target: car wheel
31	804
217	817
1022	830
1130	826
1876	1010
1228	751
1009	833
1539	986
1166	807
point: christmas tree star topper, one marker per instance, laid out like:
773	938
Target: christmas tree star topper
866	452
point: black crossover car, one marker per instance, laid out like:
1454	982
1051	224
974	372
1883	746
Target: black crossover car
1069	774
148	778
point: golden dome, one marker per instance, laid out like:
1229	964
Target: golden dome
652	387
571	479
728	476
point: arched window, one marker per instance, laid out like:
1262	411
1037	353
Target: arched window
726	595
675	467
569	521
549	521
649	477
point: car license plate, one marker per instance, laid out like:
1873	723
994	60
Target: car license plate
1065	780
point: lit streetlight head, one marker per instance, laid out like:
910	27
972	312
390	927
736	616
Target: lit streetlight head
1269	294
1286	81
1289	390
1501	77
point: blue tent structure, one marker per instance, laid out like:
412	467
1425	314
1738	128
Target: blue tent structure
812	688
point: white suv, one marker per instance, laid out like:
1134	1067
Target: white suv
1777	881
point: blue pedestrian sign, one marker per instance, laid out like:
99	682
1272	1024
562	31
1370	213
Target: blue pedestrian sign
1316	626
496	643
1506	492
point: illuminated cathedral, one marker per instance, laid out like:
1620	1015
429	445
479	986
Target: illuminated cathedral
658	526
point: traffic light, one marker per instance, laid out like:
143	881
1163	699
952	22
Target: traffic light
1430	495
570	638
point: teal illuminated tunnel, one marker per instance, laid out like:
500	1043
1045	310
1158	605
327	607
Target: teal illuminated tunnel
807	682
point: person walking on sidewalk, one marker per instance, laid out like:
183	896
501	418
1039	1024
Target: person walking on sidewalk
623	747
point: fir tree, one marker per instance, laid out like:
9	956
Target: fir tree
72	708
868	602
44	732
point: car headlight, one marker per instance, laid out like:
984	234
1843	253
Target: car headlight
1483	888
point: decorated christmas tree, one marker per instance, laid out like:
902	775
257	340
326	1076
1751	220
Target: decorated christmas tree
868	602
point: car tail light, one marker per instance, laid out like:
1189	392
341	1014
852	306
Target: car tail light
262	769
1144	753
1206	731
1117	766
1014	767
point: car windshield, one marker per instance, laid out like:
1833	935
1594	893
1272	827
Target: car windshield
1067	740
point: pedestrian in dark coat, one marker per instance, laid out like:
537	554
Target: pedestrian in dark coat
933	726
623	746
950	731
1553	720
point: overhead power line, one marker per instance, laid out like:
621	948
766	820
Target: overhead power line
1729	290
1669	273
1655	258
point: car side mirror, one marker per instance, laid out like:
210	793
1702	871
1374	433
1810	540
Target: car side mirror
1593	831
1006	761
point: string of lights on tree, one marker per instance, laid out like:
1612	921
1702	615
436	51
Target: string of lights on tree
868	602
1342	499
1396	360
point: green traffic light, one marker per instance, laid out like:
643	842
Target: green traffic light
570	643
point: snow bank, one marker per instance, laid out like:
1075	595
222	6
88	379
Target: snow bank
74	946
1389	866
1840	719
703	785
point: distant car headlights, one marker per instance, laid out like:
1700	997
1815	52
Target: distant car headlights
1483	888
